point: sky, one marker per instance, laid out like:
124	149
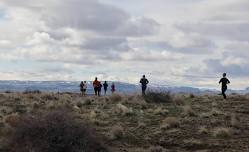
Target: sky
172	42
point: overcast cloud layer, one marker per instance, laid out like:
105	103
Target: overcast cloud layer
179	43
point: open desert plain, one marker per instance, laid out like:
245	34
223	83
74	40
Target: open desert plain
157	122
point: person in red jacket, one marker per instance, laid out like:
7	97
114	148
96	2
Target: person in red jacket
96	86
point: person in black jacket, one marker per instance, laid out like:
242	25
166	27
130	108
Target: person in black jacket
144	83
105	86
224	81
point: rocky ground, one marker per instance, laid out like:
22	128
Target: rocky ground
158	123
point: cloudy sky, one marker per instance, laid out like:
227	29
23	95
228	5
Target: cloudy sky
173	42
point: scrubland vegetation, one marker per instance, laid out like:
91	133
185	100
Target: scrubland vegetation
158	122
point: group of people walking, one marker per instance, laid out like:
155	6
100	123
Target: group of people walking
97	85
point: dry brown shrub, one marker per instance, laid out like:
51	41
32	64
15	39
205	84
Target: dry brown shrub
48	96
53	131
188	111
178	100
117	132
216	112
235	121
12	119
203	130
170	122
222	132
158	97
157	149
161	111
116	97
122	109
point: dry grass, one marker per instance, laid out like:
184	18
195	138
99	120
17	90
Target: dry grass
222	132
203	130
122	109
116	97
175	123
53	131
235	121
117	132
161	111
170	122
157	149
188	111
158	97
179	100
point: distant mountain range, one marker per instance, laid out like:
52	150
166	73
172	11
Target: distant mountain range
73	86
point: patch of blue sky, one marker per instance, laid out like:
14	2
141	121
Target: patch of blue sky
2	14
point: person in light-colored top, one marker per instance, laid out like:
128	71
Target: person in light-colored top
83	87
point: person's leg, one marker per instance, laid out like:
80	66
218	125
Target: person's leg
96	91
224	89
143	90
84	92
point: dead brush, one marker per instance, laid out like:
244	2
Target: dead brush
122	109
136	100
157	149
203	130
116	97
178	100
222	132
161	111
53	131
193	142
116	132
49	97
235	121
216	112
158	97
12	119
170	122
188	111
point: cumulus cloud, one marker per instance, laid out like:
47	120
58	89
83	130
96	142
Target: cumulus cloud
190	42
72	31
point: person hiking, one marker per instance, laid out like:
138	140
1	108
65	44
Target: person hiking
224	81
82	87
144	83
113	89
96	85
105	86
99	89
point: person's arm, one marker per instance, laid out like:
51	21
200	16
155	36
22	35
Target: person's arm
220	81
228	81
147	81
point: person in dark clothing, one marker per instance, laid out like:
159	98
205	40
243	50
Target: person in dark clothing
113	88
224	81
82	87
144	83
99	89
105	86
